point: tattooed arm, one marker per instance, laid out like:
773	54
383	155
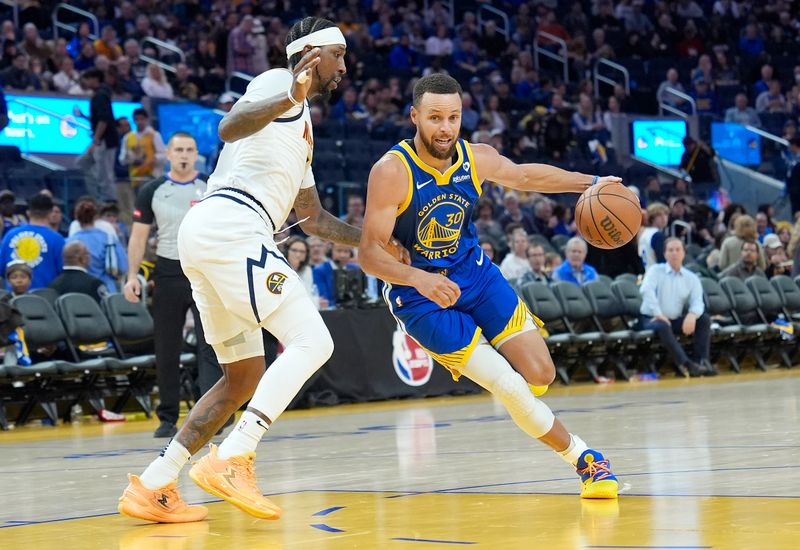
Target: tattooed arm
322	223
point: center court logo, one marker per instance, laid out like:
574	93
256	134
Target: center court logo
411	363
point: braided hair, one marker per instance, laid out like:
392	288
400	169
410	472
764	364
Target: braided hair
304	27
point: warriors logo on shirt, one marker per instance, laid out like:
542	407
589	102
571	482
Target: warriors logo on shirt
439	227
275	282
29	247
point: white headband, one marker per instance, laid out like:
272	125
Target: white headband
325	37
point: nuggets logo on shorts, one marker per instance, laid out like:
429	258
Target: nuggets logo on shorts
275	282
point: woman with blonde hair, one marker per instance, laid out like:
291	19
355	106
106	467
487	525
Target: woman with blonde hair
793	250
744	229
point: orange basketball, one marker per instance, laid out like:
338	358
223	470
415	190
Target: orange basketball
608	215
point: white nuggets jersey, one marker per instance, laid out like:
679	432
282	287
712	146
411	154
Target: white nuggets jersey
273	164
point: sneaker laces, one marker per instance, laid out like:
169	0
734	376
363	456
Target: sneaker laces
244	466
597	470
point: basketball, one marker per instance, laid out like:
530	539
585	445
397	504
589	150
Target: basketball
608	215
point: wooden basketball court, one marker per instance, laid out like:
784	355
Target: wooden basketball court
703	463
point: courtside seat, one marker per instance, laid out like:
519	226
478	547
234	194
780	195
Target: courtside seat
744	311
768	307
588	343
725	331
789	294
607	316
543	303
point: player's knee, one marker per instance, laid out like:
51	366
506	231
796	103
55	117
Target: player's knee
324	347
539	371
315	343
516	396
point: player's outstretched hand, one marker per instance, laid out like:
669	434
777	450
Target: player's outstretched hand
302	74
132	290
398	251
438	289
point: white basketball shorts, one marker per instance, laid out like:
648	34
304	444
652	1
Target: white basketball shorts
238	275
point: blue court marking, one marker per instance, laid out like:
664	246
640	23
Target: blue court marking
620	475
328	528
327	511
404	539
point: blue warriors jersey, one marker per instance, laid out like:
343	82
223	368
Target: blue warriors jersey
434	223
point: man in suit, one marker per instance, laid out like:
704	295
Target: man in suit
75	277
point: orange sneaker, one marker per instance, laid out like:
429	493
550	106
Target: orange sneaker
233	480
163	505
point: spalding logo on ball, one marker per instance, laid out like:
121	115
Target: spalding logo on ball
608	215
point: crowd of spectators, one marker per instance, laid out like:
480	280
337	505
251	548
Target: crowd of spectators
700	48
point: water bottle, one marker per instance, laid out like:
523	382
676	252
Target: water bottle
315	296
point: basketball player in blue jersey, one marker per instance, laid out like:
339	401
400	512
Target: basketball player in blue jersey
452	299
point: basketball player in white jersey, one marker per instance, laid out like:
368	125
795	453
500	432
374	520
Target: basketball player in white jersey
241	282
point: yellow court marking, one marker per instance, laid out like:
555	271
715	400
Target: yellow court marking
497	521
137	423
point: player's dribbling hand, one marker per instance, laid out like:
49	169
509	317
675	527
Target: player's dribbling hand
302	71
132	290
581	187
398	251
438	289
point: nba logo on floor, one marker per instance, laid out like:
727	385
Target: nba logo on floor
275	282
411	363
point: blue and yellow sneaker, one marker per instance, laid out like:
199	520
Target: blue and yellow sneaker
596	476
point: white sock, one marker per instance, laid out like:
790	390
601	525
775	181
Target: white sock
244	437
166	468
574	451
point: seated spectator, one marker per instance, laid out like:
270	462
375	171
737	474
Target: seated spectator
653	235
75	277
515	214
543	220
348	108
671	82
751	43
35	243
487	227
537	274
741	113
704	97
575	270
19	276
672	303
341	258
8	211
156	85
19	76
565	221
771	100
515	264
489	250
747	265
744	229
68	80
108	259
552	261
298	256
107	44
355	211
777	261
